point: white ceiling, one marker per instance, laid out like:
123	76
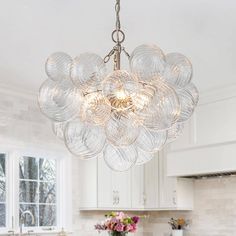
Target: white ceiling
204	30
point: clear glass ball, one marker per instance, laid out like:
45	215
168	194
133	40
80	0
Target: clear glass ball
84	140
147	61
187	104
95	109
175	132
59	101
194	92
120	87
121	130
120	159
57	66
162	110
58	129
87	71
143	157
151	141
178	70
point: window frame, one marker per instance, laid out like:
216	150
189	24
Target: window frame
63	189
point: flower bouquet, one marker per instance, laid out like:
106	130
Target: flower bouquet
178	225
118	224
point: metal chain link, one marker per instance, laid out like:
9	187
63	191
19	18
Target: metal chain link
118	36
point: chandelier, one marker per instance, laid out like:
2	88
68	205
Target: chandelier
124	115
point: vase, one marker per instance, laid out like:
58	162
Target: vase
177	232
114	233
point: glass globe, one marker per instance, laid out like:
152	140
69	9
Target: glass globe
187	104
57	66
147	61
191	88
59	101
151	141
87	71
84	140
58	129
120	159
120	87
162	110
95	109
121	129
174	132
143	157
179	70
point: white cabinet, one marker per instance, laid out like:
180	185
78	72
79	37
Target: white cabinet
113	187
87	183
175	193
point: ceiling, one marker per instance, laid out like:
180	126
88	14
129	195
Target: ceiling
203	30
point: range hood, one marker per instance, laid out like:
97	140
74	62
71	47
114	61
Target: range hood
205	161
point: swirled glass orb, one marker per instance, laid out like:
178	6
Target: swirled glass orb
57	66
84	140
151	141
120	159
147	61
178	70
121	129
163	109
187	104
95	109
194	92
58	129
143	157
87	71
59	101
120	87
174	132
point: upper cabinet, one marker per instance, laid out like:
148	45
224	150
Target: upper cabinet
209	141
144	187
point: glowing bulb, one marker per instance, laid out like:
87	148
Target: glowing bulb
120	94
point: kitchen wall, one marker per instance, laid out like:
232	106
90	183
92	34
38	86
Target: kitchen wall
214	213
215	199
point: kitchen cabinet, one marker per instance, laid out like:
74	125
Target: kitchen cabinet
145	185
113	187
175	193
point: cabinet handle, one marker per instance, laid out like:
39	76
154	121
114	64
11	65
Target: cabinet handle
118	198
174	197
144	199
114	198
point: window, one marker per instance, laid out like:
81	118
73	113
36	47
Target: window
37	182
37	190
2	190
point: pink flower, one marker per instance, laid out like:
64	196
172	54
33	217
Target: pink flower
120	215
119	227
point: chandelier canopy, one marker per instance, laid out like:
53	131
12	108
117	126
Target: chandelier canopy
126	116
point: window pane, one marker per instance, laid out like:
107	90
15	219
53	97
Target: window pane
2	215
2	191
28	191
47	215
2	165
28	168
47	192
47	169
28	219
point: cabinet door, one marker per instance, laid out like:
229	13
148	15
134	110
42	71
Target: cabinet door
87	177
151	184
105	196
113	187
121	188
168	185
137	182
